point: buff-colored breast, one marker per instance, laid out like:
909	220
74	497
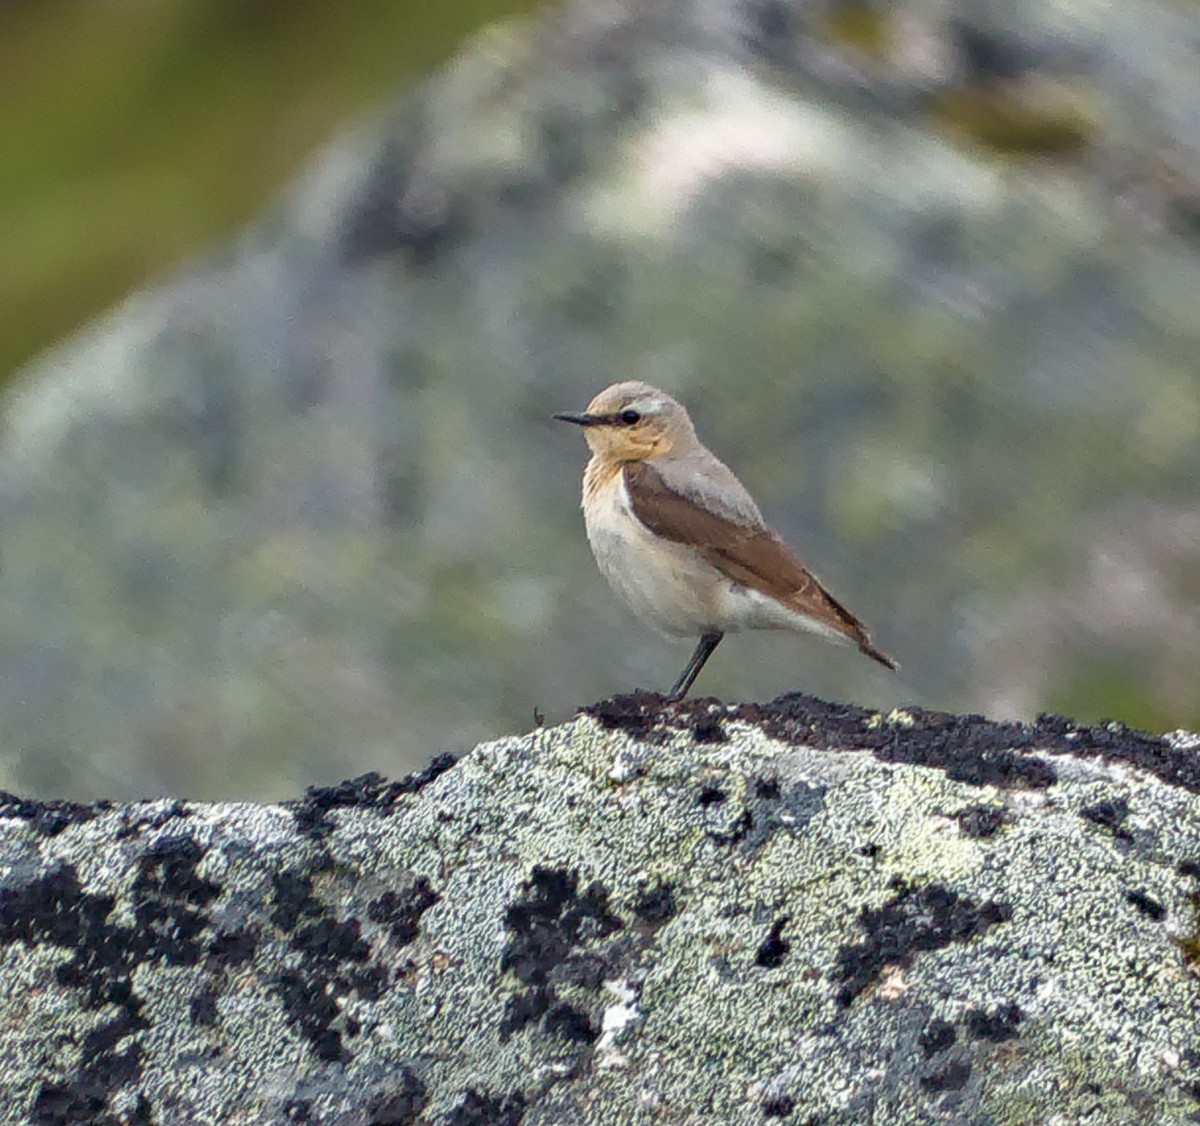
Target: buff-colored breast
666	584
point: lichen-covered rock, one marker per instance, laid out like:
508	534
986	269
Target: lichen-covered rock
686	914
925	272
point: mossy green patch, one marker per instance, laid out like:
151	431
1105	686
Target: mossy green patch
134	135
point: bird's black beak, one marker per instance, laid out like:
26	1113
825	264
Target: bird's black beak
581	419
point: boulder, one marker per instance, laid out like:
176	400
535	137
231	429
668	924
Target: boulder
925	274
655	913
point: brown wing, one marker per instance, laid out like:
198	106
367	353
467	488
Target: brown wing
753	556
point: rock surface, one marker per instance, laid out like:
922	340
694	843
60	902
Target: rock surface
925	271
693	913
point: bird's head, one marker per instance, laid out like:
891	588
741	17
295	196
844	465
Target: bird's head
633	421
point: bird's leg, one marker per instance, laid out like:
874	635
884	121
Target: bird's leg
704	649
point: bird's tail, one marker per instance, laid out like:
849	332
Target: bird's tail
853	629
867	646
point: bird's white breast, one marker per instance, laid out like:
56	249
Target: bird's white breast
667	584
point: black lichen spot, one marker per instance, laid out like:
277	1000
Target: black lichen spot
937	1036
63	1104
401	1103
389	792
313	1011
102	1062
550	920
310	996
331	938
1189	869
968	748
549	926
643	716
292	892
83	1104
761	810
232	948
369	982
725	826
481	1109
333	964
1110	815
369	790
570	1023
170	898
980	821
773	949
655	905
952	1076
522	1009
709	731
55	910
50	817
914	920
588	970
996	1026
401	911
203	1008
766	789
1151	908
734	832
773	810
778	1106
169	867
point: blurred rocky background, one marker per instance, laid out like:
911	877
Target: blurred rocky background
927	273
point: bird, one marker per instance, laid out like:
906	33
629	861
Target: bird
680	539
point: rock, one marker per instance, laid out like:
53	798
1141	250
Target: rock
924	272
796	911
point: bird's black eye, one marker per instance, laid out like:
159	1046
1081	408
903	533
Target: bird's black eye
629	418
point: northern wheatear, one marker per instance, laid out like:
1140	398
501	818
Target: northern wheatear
679	538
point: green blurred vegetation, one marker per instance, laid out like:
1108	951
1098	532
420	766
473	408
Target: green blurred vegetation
1103	689
134	134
